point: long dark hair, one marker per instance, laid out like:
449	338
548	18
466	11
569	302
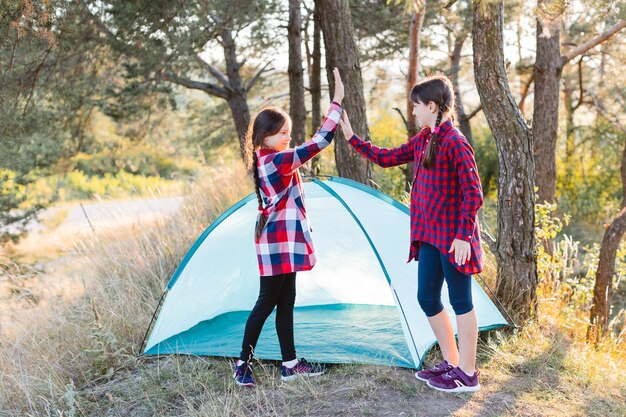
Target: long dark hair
438	89
266	123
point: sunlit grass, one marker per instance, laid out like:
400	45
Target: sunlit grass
76	354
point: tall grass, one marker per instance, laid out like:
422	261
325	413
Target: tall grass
80	357
56	351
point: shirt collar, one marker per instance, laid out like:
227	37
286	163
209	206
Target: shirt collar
265	151
443	128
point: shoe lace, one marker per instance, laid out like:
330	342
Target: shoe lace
245	368
441	366
303	364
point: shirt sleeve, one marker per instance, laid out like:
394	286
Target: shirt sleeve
461	154
385	157
288	161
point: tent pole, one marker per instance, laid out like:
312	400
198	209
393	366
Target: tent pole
151	322
317	176
380	261
419	358
498	301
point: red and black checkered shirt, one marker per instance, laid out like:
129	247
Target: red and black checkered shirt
445	198
285	244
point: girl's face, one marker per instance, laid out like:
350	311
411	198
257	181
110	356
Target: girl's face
279	141
426	114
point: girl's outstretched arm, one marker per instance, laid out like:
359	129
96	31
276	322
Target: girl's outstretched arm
288	161
384	157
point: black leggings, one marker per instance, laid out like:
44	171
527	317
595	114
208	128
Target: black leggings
276	291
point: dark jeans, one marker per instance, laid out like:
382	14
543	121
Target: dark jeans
432	267
276	291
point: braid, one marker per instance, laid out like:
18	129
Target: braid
257	181
257	188
266	123
431	149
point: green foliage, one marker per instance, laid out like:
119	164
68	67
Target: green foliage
55	73
76	185
589	182
387	131
106	353
141	159
381	29
555	261
547	225
486	158
567	272
208	125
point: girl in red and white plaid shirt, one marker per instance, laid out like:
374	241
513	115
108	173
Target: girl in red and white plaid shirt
283	236
445	198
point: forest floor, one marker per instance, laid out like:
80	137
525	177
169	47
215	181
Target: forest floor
68	350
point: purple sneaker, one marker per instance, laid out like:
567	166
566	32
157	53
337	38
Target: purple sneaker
302	368
243	375
455	381
439	369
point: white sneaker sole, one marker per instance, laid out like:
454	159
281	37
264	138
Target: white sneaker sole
241	384
457	389
420	378
296	376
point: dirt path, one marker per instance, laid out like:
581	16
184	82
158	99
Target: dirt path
49	253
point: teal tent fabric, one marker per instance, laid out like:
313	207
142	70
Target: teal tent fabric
358	305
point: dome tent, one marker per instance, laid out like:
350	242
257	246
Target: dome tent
357	305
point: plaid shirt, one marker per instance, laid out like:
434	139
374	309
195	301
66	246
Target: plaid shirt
445	198
285	243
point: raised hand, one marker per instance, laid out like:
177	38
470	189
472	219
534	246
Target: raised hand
338	86
345	125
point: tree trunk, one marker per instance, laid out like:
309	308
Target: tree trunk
603	289
515	247
341	52
237	93
297	110
415	30
314	59
570	141
455	69
548	67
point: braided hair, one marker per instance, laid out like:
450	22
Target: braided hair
439	90
266	123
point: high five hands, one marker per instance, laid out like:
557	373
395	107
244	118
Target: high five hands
345	126
338	86
339	92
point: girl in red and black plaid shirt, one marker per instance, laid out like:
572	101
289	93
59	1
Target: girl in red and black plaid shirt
283	237
445	198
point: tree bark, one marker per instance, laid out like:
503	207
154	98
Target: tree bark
415	30
232	88
297	110
548	70
314	59
516	240
237	101
455	69
316	82
603	289
570	138
341	52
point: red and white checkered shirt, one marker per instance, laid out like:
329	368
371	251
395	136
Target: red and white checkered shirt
285	244
445	198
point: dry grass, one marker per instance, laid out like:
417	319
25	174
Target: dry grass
74	353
